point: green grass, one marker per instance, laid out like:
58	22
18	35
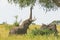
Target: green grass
30	37
4	34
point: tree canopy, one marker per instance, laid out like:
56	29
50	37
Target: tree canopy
46	3
50	3
23	3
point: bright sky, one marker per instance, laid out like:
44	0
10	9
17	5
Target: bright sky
8	11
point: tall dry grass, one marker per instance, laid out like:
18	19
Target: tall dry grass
4	34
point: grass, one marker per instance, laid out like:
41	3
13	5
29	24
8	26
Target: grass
5	32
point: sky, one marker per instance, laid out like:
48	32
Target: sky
8	11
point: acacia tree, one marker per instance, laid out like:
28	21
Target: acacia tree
50	4
24	3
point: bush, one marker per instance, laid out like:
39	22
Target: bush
42	32
16	24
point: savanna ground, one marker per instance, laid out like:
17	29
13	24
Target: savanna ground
4	34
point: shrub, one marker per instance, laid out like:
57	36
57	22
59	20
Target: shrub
16	24
42	32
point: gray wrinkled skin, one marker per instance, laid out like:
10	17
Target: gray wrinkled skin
51	27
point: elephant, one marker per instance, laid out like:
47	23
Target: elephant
44	26
22	29
51	27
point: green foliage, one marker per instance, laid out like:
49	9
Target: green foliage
56	22
16	17
16	23
42	32
4	35
23	3
4	23
48	4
